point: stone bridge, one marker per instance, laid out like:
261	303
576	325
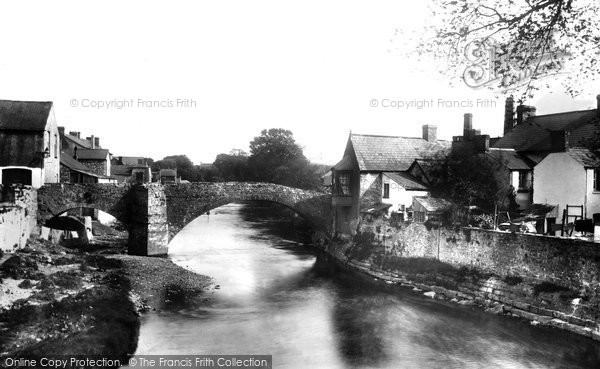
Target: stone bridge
155	213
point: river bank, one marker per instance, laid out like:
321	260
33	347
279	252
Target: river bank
472	269
63	301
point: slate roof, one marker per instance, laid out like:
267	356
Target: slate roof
511	159
392	153
344	164
587	158
73	164
24	115
406	180
534	133
92	154
78	141
432	203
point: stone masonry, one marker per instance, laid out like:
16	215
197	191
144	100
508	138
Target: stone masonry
155	213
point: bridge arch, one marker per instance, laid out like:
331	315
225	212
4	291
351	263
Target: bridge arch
184	204
56	199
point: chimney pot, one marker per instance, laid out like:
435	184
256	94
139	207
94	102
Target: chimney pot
430	132
509	114
468	125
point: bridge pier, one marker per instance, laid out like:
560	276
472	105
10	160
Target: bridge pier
148	227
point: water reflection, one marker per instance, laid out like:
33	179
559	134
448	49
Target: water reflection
278	297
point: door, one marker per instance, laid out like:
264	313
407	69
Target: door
16	175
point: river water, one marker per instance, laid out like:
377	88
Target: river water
278	298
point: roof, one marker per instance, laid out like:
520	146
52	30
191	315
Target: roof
588	158
392	153
406	180
24	115
511	159
73	164
168	172
344	164
432	203
92	154
78	141
126	170
534	133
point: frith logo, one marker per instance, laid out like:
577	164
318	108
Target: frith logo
490	64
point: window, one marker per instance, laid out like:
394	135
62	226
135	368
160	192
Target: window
386	190
596	179
419	216
342	184
524	180
55	146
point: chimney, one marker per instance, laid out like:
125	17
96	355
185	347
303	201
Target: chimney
509	113
482	143
74	133
97	142
559	141
468	125
524	112
61	131
91	141
430	132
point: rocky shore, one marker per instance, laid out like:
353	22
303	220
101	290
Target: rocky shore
56	300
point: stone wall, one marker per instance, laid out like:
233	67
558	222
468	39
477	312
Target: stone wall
555	281
18	216
96	166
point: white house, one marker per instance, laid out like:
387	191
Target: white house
570	178
398	190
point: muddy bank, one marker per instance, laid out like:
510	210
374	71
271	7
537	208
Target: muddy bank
61	301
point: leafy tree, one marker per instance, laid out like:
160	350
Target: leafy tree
530	39
470	178
182	163
232	167
272	153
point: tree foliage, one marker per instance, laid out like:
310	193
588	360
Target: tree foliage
275	157
524	40
469	178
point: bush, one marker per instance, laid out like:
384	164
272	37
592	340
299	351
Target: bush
484	221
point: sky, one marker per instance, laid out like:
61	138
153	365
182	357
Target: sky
157	78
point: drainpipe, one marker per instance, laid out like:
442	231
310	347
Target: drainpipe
586	194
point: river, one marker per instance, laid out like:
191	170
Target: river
277	297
